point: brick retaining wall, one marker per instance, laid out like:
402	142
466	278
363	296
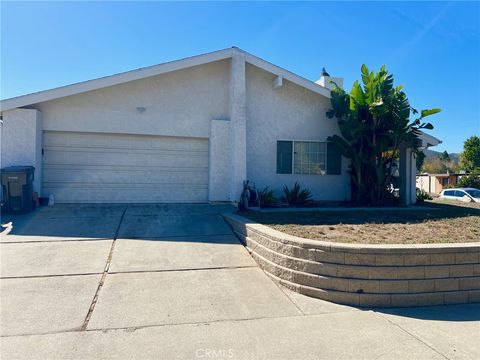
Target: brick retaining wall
365	275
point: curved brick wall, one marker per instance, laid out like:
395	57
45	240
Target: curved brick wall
365	275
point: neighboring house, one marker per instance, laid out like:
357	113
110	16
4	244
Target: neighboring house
435	183
190	130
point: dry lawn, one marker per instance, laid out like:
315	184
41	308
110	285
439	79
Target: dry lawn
443	222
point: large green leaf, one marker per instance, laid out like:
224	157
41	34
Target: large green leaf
356	96
364	70
425	113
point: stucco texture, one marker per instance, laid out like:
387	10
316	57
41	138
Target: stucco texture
287	113
21	143
179	103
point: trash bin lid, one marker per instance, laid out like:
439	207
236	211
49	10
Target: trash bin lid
18	169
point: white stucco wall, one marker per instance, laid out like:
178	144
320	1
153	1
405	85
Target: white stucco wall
407	169
426	183
287	113
180	103
219	160
21	143
413	177
238	119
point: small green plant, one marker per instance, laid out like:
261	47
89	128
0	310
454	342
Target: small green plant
297	196
422	195
472	180
267	198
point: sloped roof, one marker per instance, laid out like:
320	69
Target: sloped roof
145	72
428	140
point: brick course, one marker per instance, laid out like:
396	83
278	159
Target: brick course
365	275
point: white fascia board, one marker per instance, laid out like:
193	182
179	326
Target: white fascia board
428	140
111	80
294	78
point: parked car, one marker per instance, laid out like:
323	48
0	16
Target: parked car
462	194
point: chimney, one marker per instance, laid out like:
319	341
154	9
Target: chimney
325	80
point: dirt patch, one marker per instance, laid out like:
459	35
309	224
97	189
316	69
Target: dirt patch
441	222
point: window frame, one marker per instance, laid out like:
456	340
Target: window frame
293	156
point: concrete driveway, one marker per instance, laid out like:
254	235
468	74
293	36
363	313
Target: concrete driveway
172	281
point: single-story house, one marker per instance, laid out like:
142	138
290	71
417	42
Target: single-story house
190	130
435	183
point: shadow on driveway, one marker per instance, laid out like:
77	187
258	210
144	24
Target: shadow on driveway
192	222
463	312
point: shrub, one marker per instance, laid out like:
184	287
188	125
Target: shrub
472	180
267	198
422	195
297	196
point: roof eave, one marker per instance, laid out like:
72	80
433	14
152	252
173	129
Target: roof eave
142	73
288	75
112	80
428	140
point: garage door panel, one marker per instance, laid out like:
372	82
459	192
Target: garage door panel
109	141
126	150
84	167
142	176
65	156
125	195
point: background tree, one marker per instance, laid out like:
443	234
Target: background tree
434	165
439	164
472	180
374	122
470	157
449	164
444	156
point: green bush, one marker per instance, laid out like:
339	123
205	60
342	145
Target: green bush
422	195
297	196
472	180
267	198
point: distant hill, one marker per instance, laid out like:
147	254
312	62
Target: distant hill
433	164
435	154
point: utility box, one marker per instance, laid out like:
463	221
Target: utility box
17	189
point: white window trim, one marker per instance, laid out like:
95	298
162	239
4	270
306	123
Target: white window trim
293	156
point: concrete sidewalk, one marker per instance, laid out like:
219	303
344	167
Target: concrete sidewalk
173	282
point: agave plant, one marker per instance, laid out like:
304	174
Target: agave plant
374	122
296	196
267	198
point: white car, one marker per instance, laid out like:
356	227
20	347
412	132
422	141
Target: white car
462	194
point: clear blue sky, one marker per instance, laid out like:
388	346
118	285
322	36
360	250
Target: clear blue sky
432	48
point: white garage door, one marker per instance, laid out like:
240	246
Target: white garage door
93	167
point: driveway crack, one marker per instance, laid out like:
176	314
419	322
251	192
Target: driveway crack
411	334
104	274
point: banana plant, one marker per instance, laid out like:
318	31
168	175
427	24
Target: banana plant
374	120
